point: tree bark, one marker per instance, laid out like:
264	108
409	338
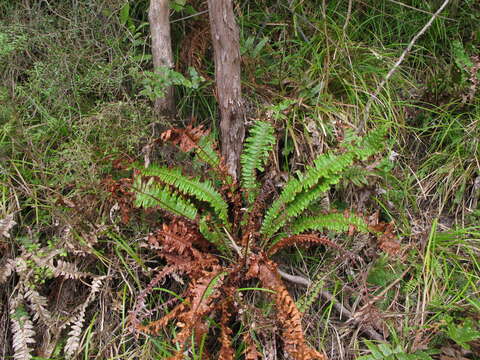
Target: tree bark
225	38
158	16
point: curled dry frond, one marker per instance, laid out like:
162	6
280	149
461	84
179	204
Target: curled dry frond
74	336
6	270
201	296
226	351
68	270
187	138
140	303
255	215
156	326
288	314
22	328
175	243
303	240
200	300
251	352
73	340
38	305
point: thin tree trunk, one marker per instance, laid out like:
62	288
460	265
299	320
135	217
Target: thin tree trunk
158	16
225	38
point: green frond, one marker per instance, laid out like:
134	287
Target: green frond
306	301
334	222
325	171
255	153
150	194
324	166
366	146
357	175
301	202
206	152
202	190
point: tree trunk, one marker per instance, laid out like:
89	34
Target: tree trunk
158	16
225	38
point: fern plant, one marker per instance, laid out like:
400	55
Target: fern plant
232	217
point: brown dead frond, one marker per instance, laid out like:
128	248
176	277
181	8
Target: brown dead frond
185	138
251	352
175	243
200	300
121	196
211	290
387	239
22	327
226	351
303	240
288	315
6	225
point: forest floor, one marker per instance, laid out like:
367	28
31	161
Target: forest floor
79	246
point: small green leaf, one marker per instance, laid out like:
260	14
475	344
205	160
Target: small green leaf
125	13
462	60
211	286
374	349
463	333
178	5
261	44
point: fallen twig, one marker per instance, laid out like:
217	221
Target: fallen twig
397	64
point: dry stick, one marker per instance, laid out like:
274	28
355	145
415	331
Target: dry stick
397	64
419	10
336	304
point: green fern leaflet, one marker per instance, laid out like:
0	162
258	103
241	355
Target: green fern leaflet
255	154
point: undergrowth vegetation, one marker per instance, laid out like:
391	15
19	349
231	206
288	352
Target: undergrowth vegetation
352	233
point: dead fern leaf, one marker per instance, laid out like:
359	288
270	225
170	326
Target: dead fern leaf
251	352
22	328
288	314
68	270
7	270
6	225
304	239
38	305
140	303
178	356
187	138
226	351
73	340
155	327
202	293
74	336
